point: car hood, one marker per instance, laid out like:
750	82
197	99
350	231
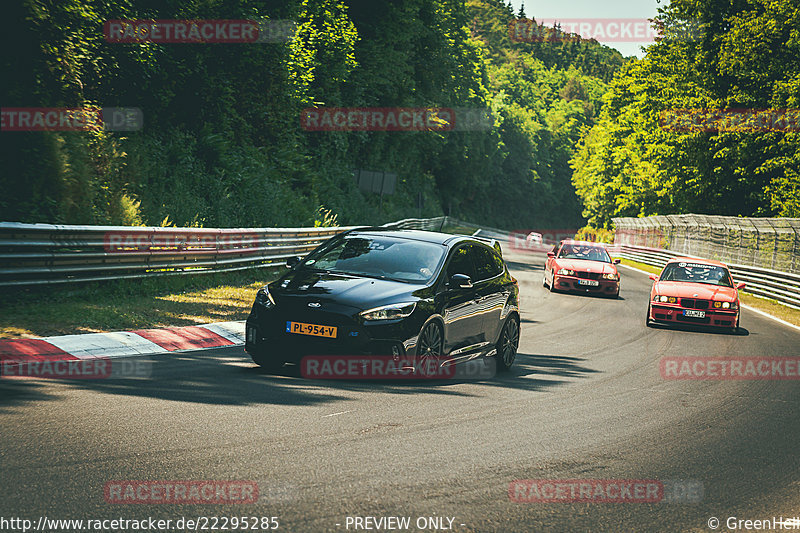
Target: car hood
702	291
303	286
584	265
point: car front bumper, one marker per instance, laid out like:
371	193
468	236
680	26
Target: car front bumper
576	284
674	314
266	334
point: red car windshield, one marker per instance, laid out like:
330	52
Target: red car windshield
589	253
697	273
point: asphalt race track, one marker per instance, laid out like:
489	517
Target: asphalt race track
585	400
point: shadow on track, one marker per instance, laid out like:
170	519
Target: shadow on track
741	332
229	378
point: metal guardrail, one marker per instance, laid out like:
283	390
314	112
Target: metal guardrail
769	243
783	287
40	254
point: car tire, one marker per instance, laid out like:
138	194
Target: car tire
507	345
269	364
552	286
647	318
430	345
544	281
736	329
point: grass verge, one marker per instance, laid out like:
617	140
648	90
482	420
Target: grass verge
131	304
772	307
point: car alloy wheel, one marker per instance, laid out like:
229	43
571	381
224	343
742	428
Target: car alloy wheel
429	348
508	344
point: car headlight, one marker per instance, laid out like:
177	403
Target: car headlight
389	312
612	276
264	298
665	299
565	272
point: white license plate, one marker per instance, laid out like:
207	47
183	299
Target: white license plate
589	282
694	313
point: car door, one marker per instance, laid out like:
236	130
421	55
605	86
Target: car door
490	291
462	322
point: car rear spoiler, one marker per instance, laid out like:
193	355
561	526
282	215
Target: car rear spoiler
494	243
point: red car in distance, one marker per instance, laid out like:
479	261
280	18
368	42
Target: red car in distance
694	291
579	266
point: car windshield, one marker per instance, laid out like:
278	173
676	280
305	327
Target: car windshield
579	251
697	273
380	257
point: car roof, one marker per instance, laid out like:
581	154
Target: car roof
411	234
435	237
696	260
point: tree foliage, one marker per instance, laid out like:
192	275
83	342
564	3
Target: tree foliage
222	143
746	56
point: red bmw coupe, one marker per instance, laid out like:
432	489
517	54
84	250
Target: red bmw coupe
694	291
580	266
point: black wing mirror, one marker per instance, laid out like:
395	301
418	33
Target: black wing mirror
460	281
292	262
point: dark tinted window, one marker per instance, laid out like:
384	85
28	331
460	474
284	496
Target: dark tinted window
499	265
584	251
697	273
389	257
486	263
461	262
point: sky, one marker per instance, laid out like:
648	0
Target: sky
593	9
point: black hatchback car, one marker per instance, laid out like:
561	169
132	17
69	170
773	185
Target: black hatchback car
397	293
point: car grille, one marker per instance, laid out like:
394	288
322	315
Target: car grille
588	275
691	303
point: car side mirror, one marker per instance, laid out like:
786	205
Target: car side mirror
617	261
292	262
741	285
460	281
653	277
551	254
